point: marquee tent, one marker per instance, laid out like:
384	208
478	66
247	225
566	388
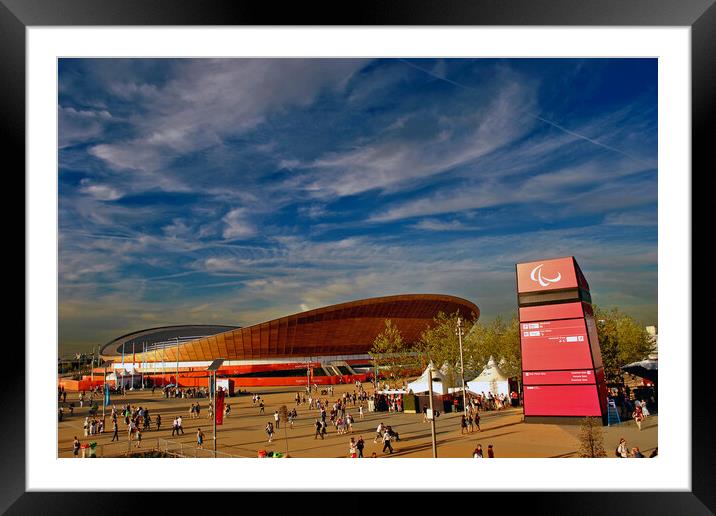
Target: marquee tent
421	384
648	369
491	379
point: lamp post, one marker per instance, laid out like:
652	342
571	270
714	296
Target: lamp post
308	376
134	358
460	332
213	367
432	411
144	350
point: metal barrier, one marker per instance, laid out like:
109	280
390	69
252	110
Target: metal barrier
128	448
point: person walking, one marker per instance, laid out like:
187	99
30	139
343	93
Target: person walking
175	427
638	416
360	444
159	421
261	407
138	437
76	447
644	409
199	439
319	428
490	452
477	452
463	424
386	442
115	429
352	448
180	426
477	420
277	419
378	432
622	450
269	431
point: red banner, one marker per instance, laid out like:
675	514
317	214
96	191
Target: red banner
219	412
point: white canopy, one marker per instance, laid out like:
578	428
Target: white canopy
421	384
491	379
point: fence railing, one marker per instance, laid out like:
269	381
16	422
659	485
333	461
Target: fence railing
129	448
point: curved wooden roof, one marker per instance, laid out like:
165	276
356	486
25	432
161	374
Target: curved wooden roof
344	329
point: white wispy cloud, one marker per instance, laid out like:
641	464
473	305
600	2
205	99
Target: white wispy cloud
236	225
399	160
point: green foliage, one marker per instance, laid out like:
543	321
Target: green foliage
622	340
498	339
591	438
391	354
440	343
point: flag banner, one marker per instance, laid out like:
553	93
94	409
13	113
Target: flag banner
219	412
106	395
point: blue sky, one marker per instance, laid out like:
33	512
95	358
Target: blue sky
234	191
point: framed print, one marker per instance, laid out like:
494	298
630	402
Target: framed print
421	235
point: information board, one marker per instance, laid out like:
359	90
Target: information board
575	377
562	400
550	345
563	375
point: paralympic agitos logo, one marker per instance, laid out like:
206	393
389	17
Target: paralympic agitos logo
536	275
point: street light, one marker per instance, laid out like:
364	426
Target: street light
432	411
460	332
213	367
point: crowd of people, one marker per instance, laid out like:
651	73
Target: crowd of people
332	412
633	406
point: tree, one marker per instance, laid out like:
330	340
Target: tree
591	438
622	340
391	354
496	339
440	343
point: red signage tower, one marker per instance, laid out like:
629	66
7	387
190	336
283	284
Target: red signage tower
562	372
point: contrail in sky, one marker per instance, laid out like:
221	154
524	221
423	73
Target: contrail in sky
537	117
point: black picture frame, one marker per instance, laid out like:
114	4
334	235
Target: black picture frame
700	15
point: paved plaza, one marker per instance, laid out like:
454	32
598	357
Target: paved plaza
242	433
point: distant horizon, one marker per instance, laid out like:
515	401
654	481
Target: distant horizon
236	191
485	320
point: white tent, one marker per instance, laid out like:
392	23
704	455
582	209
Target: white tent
491	379
124	378
421	384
